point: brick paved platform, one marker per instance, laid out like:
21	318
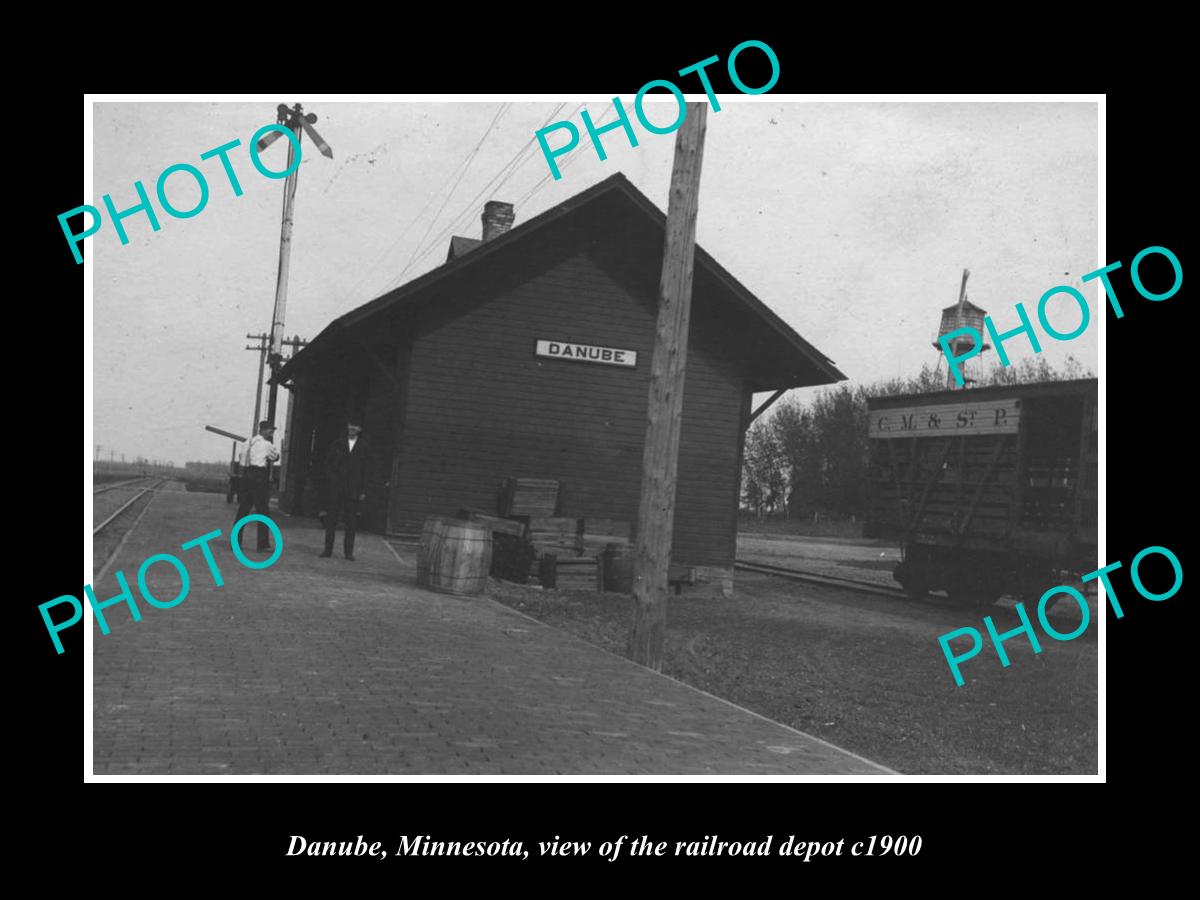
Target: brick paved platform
325	666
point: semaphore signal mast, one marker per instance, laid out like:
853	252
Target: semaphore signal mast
296	120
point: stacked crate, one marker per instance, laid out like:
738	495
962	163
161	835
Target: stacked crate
562	552
609	541
599	535
528	497
556	534
513	527
569	573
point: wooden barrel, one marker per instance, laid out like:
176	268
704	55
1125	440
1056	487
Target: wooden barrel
427	547
460	557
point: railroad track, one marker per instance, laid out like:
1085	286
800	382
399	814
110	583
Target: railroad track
116	485
866	587
870	587
128	503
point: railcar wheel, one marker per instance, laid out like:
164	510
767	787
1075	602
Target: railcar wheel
914	585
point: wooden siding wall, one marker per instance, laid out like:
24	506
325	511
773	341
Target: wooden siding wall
382	411
341	380
324	398
297	452
481	406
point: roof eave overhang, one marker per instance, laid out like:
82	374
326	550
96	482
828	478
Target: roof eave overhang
618	182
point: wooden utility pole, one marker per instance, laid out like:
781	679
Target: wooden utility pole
660	458
263	340
263	346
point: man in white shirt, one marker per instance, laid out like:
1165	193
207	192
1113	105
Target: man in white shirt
256	484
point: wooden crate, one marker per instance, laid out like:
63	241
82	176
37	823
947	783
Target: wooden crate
498	525
555	525
556	535
528	497
599	535
564	546
593	544
615	528
571	573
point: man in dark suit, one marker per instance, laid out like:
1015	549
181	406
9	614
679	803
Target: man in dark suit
346	471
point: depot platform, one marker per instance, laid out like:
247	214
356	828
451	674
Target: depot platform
331	667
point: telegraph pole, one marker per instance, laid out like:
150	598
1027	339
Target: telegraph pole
295	120
660	458
262	361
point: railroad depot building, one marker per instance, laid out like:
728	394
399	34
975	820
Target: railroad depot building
527	354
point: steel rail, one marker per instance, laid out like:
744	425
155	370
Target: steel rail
825	580
119	484
128	503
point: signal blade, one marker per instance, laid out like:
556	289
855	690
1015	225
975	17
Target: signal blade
317	139
270	138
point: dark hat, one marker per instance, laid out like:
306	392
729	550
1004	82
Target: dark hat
265	424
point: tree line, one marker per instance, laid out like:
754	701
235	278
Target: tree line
805	457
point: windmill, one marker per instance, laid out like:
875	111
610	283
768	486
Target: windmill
296	120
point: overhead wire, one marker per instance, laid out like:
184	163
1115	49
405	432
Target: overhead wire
550	174
506	171
463	164
458	181
523	155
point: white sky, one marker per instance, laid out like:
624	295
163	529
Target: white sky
853	221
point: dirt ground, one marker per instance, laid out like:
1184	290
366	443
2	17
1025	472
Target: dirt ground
866	672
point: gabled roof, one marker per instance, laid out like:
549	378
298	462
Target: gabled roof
616	184
460	246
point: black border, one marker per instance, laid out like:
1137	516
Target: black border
1148	417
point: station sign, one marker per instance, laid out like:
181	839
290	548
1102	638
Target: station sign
609	356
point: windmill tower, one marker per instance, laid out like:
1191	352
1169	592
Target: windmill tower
963	314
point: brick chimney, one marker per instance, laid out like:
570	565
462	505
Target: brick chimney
497	219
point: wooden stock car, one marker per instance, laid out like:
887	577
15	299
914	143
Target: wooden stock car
991	491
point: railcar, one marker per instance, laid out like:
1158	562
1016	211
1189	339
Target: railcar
990	491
